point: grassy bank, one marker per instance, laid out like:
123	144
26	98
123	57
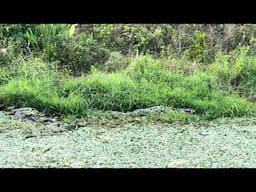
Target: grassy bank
146	82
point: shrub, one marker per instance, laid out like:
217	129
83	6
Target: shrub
236	71
145	67
115	62
80	53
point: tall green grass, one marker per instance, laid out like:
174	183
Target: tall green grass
235	71
144	83
144	87
36	85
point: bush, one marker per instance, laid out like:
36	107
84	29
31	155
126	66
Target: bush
116	62
182	65
236	71
80	53
145	67
10	54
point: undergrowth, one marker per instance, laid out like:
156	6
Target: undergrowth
144	83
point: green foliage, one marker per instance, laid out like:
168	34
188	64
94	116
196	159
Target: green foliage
236	71
39	85
110	92
145	67
121	92
9	71
197	50
198	42
37	40
80	53
35	86
10	52
47	37
124	71
5	75
116	62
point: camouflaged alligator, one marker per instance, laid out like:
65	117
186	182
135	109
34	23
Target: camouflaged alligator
158	109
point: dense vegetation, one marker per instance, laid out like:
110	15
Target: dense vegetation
65	69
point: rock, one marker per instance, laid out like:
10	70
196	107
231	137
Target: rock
52	124
26	113
34	115
44	119
157	109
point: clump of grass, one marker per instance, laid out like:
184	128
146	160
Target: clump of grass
222	106
145	67
35	86
182	65
116	62
110	91
41	95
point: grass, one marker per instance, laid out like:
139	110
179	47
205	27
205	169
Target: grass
35	85
40	95
144	83
235	72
